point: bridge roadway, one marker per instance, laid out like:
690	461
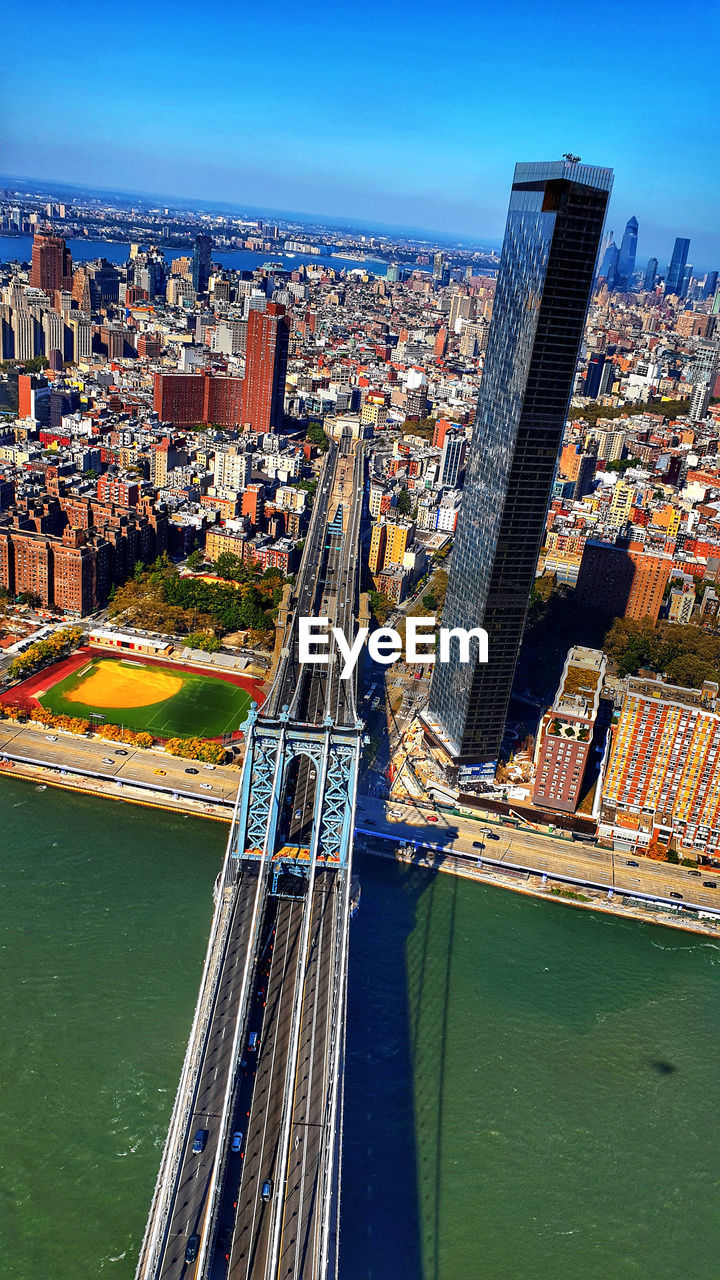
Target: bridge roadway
317	693
190	1199
281	1094
250	1245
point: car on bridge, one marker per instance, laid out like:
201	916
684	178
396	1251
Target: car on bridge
191	1251
236	1141
160	772
267	1190
200	1141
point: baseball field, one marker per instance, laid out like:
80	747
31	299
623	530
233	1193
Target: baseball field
146	697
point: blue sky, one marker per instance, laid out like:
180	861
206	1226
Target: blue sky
406	115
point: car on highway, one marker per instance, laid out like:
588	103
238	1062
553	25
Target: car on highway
191	1252
253	1041
236	1141
491	835
675	894
208	766
478	844
199	1141
631	863
50	737
225	1242
206	785
431	817
267	1189
160	772
693	873
121	752
710	884
192	771
298	813
108	760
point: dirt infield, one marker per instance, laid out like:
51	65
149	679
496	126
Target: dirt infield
114	683
27	695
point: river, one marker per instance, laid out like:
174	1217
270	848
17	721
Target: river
19	249
529	1088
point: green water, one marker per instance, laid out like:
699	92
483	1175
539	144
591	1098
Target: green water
529	1092
538	1101
105	910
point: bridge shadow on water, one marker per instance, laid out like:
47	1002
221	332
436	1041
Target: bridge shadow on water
400	956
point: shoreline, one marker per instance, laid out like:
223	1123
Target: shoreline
46	776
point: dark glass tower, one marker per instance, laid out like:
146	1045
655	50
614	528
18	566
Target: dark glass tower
650	274
201	263
676	270
627	255
553	231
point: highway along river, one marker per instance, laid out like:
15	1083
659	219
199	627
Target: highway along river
530	1088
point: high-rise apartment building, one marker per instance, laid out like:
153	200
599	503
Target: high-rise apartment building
51	267
623	579
188	399
452	459
553	231
676	268
263	388
662	781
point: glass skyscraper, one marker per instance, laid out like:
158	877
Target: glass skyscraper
552	236
627	255
676	269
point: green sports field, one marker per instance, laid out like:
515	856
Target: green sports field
165	702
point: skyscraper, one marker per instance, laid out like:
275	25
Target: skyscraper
650	274
596	364
555	221
626	257
201	263
676	269
51	267
609	265
266	355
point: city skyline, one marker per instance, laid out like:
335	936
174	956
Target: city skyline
340	147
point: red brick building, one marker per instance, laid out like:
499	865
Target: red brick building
266	356
189	399
623	580
51	267
566	731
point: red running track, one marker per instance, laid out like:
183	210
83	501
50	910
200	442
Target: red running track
27	694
